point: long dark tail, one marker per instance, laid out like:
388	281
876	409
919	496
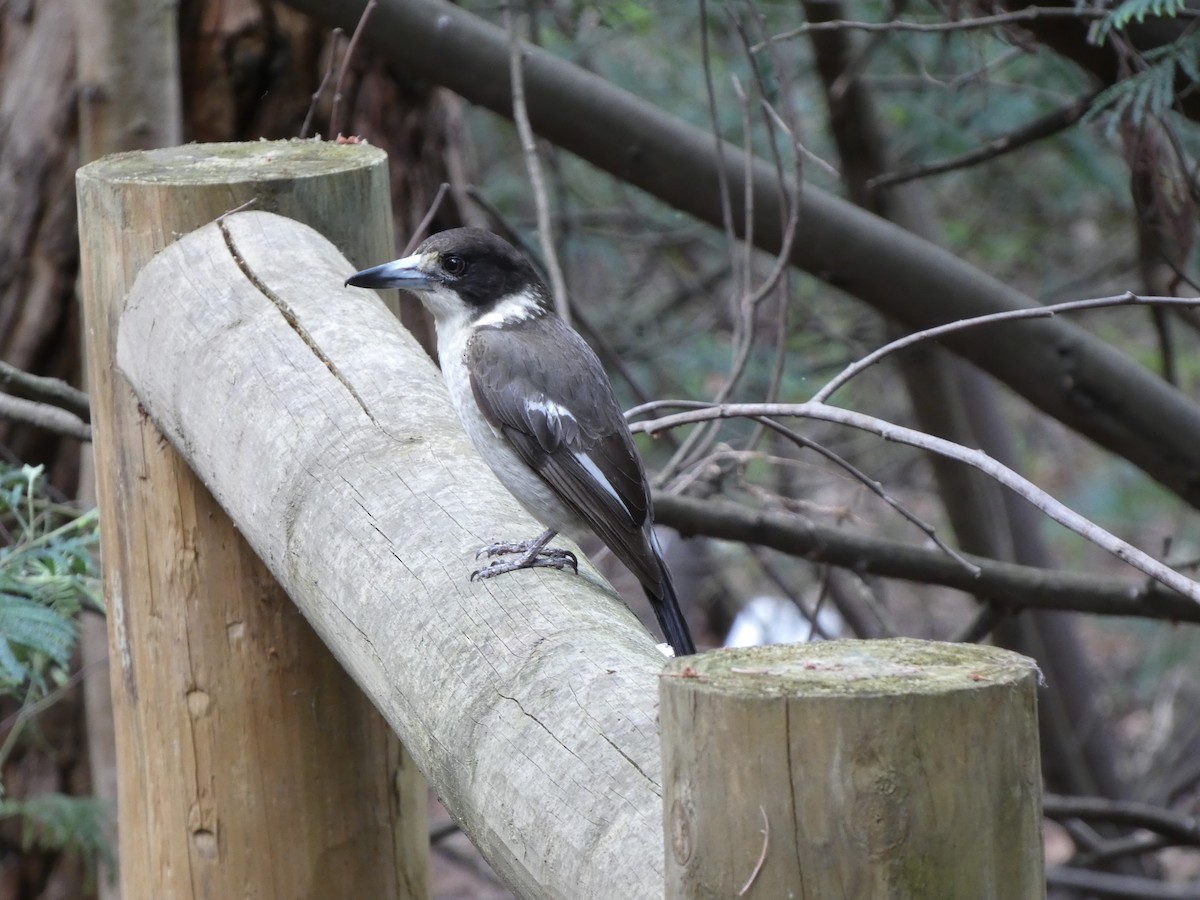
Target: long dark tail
666	610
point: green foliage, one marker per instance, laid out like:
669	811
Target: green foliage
30	632
47	574
1152	90
627	14
1135	11
56	823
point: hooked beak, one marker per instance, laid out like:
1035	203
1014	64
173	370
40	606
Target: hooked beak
407	274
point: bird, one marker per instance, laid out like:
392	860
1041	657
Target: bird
537	405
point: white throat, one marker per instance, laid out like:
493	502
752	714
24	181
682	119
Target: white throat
515	308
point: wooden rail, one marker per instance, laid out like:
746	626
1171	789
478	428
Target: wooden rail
325	433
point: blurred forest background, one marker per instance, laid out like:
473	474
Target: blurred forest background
1052	147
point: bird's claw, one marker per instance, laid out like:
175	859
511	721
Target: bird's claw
532	557
501	547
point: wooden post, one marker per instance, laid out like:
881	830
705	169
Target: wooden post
249	763
852	770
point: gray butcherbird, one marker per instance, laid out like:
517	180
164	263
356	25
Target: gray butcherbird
538	407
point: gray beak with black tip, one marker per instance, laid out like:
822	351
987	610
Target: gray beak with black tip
412	273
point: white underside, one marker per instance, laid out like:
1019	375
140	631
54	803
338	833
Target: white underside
522	482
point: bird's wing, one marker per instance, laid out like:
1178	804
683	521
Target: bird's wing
553	402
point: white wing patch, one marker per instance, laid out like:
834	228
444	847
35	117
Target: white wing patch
555	413
597	476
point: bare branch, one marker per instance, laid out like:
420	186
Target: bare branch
1034	312
700	441
1060	513
1148	423
1179	828
423	225
335	38
516	72
874	487
697	443
335	118
1013	586
43	415
1045	126
48	390
1010	18
1106	852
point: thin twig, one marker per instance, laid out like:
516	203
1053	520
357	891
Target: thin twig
335	37
990	615
335	117
493	212
696	471
873	486
1008	18
1057	511
745	310
714	125
1106	852
516	72
857	57
788	587
1046	126
1034	312
439	834
789	213
814	620
697	444
423	225
747	317
49	390
237	209
762	856
15	722
824	165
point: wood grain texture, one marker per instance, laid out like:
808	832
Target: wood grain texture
327	434
852	770
249	764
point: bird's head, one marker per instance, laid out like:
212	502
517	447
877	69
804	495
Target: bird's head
464	273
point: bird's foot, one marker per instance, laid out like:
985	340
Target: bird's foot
534	554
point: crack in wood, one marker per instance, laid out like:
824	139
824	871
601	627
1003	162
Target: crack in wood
291	319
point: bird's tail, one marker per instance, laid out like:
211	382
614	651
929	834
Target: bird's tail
670	617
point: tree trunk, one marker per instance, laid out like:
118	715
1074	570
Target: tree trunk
39	253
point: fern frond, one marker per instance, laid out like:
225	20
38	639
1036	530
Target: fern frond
1135	11
1152	90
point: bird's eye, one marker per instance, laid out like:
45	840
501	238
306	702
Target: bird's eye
454	265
